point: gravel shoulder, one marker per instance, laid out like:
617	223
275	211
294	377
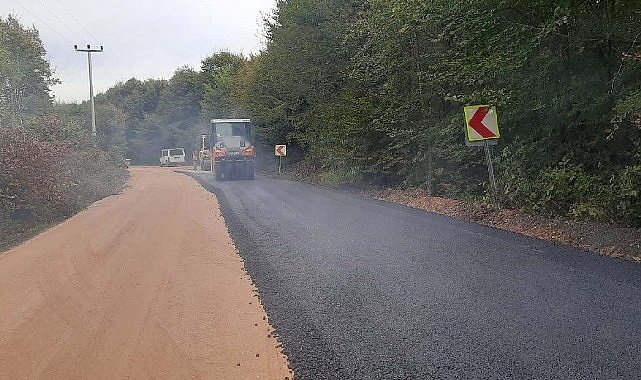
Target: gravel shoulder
608	240
146	284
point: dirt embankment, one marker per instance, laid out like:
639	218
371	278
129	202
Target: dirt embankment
606	239
143	285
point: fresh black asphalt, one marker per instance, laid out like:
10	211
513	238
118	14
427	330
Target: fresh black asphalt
362	289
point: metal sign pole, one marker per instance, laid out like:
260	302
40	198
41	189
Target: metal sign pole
280	151
490	168
482	128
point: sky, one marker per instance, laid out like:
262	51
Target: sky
141	39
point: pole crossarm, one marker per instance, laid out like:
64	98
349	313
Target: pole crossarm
89	49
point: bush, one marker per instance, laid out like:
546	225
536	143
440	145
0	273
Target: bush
572	192
568	191
28	179
623	195
49	172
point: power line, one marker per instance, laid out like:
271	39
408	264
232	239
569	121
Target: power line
73	32
77	21
47	25
66	70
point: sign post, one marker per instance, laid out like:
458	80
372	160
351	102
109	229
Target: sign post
490	167
280	151
481	127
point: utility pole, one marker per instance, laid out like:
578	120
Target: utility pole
89	50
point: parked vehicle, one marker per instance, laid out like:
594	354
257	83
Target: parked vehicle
172	157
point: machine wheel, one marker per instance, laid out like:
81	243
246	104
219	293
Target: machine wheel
250	170
228	171
218	173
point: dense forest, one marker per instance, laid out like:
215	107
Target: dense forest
374	91
371	92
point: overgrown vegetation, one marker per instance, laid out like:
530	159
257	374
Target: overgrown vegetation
378	87
372	92
50	166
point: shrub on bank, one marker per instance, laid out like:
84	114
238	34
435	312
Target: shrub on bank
49	171
570	191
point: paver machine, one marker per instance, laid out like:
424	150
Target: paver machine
232	151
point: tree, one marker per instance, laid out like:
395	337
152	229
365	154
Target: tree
300	78
219	74
25	75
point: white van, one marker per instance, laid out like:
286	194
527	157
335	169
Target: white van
172	157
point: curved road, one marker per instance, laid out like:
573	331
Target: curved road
362	289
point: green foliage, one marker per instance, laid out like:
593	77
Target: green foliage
110	130
155	114
25	75
161	114
566	191
379	86
372	91
220	73
622	195
571	191
50	171
299	79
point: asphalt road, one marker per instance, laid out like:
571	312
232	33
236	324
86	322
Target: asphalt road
362	289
